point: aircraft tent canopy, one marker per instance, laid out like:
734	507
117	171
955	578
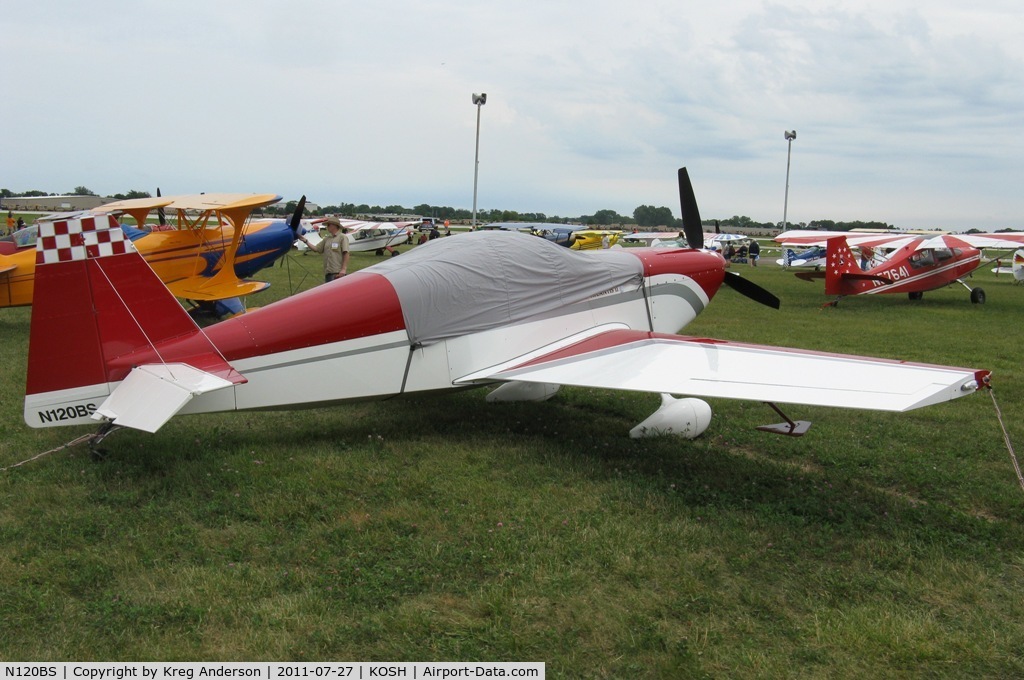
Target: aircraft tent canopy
473	282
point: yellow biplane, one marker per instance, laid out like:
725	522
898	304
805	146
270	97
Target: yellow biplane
594	239
202	253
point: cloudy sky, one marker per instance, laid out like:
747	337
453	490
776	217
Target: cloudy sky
906	111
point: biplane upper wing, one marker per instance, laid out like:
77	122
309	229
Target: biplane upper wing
702	367
236	207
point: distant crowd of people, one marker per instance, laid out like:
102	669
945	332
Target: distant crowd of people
744	254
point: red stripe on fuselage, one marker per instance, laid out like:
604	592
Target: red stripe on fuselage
356	306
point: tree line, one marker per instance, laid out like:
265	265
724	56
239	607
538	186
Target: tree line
646	216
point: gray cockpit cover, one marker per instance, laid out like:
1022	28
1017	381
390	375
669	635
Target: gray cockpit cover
476	281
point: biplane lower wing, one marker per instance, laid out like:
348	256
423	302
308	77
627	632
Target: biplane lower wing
701	367
204	289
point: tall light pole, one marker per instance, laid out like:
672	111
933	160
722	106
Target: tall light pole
479	100
790	136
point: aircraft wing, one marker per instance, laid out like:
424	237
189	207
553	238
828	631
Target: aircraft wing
129	205
5	269
672	364
203	289
647	237
853	238
224	202
996	241
361	225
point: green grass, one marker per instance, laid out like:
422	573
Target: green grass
445	528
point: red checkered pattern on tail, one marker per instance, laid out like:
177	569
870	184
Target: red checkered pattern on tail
86	237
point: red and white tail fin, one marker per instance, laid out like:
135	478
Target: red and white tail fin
99	311
839	260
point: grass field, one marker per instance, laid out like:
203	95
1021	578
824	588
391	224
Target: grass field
879	545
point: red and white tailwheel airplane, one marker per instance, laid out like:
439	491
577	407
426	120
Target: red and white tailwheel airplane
915	265
109	343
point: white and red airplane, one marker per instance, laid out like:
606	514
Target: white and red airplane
1016	267
915	265
364	236
109	343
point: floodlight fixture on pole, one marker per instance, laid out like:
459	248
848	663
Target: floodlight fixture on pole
479	100
790	136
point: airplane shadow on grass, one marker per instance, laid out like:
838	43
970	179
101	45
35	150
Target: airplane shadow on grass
584	431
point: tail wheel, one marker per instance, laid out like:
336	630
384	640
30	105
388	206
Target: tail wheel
916	295
977	296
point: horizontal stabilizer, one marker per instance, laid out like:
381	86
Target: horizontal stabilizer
661	363
153	393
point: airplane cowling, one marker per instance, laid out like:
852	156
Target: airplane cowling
681	417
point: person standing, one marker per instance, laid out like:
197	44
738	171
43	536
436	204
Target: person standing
10	223
334	248
754	252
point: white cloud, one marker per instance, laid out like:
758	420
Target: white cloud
904	113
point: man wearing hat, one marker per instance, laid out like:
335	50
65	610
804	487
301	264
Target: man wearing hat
334	249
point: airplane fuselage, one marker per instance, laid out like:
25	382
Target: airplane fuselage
910	269
347	340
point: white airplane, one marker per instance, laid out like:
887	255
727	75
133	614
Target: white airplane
1016	269
362	236
477	309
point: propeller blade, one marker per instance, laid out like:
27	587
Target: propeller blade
692	228
293	223
751	290
161	217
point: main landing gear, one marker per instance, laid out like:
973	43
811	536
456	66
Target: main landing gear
977	294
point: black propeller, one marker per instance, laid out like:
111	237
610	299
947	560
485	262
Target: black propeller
296	218
293	223
692	228
694	232
751	290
